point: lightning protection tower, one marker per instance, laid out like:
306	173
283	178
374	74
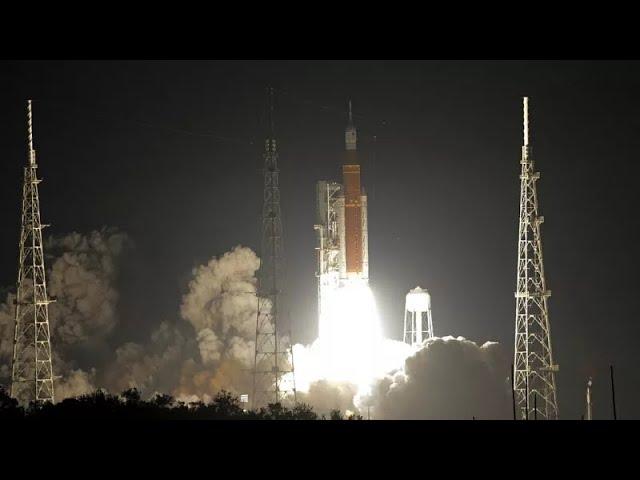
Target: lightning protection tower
418	324
273	376
534	375
32	373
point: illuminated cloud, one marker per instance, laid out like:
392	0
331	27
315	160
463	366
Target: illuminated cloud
449	378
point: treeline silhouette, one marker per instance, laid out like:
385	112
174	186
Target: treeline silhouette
129	405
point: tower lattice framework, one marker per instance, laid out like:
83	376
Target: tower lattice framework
534	370
32	372
273	378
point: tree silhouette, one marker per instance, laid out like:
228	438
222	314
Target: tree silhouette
336	415
9	408
101	405
162	400
302	411
131	396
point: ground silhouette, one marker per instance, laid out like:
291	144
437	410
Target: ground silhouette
130	405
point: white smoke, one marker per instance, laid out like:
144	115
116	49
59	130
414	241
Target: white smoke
81	274
212	349
221	305
81	278
7	320
449	378
222	292
322	383
325	395
151	367
75	383
212	346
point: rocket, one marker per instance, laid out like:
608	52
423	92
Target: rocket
352	203
343	234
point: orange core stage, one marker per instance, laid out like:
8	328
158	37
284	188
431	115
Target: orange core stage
352	218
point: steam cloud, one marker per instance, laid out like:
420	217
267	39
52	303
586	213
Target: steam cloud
449	378
325	395
221	305
81	277
210	345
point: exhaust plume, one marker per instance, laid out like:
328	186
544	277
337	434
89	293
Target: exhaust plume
448	378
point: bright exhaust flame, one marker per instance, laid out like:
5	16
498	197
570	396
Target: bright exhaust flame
351	347
351	334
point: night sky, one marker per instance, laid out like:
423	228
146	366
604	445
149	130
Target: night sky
170	153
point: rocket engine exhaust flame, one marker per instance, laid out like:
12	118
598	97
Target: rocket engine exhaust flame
351	349
352	334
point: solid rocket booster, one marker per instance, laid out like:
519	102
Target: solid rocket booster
352	202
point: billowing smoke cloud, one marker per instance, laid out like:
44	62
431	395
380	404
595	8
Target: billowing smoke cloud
325	395
449	378
75	383
211	348
151	367
82	279
7	319
221	305
81	271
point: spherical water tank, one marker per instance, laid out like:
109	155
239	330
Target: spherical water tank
418	300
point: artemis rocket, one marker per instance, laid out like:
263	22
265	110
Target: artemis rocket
353	210
341	225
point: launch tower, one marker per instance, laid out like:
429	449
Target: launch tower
534	375
32	372
273	376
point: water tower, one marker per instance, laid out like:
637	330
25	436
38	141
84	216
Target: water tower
418	325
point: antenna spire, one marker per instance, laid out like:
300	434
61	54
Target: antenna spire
32	158
350	114
589	407
525	119
270	112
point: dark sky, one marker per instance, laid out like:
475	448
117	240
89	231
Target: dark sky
170	152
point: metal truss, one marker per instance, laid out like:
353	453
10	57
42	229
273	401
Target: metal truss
534	370
273	379
32	372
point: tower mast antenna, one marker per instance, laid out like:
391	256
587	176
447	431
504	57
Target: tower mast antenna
31	370
589	404
273	368
30	133
525	121
534	376
270	113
